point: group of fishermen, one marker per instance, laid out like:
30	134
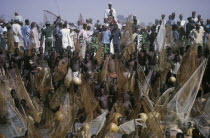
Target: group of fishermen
66	52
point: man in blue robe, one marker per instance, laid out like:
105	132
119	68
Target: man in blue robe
26	30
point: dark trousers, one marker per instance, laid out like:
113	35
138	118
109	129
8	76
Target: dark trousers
117	48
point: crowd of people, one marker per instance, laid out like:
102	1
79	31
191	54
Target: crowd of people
118	72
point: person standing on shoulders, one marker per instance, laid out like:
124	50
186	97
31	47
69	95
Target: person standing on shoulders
110	11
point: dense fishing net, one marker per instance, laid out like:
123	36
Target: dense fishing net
22	92
88	98
140	74
90	104
104	71
121	78
77	47
98	123
16	125
68	77
130	126
127	33
105	129
163	69
202	123
153	120
117	108
143	84
199	106
10	41
18	119
69	111
169	41
160	39
188	65
43	81
58	97
128	50
98	55
3	103
165	98
181	104
200	114
132	83
61	70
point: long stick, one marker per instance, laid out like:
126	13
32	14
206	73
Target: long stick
53	14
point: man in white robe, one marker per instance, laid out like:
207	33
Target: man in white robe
82	36
66	39
16	28
182	22
197	35
110	11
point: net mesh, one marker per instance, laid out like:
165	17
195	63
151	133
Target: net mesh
163	69
61	70
169	37
43	81
104	71
22	92
18	117
3	103
160	39
188	65
181	104
98	55
128	50
202	119
127	33
69	111
121	78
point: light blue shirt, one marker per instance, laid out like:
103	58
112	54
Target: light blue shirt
105	37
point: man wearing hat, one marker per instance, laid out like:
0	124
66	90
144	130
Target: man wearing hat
47	33
110	11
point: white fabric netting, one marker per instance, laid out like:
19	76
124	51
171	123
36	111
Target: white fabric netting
180	106
160	39
203	121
